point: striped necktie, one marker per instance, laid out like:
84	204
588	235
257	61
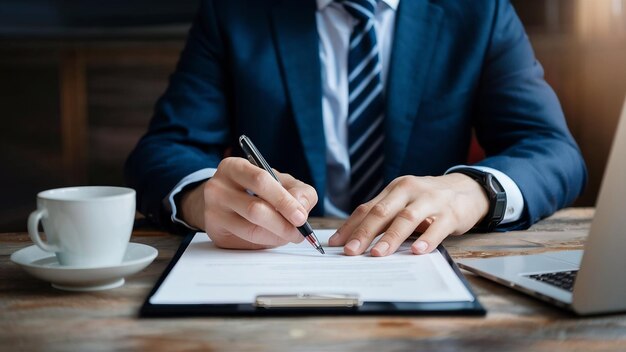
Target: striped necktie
366	105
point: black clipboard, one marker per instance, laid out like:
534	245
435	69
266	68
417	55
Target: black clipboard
310	305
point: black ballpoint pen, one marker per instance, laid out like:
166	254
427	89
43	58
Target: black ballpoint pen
255	157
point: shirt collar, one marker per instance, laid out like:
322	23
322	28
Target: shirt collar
322	4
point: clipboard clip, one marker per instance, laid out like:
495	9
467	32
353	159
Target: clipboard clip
308	300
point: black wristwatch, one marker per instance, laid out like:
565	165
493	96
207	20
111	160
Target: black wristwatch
495	193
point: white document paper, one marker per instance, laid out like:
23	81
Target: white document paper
206	274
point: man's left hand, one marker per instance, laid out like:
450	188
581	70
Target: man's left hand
436	206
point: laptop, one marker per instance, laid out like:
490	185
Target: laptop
592	281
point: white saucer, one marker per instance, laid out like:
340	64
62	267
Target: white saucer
44	265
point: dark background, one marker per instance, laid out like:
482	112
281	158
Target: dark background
124	52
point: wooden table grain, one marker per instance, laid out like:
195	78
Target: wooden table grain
35	316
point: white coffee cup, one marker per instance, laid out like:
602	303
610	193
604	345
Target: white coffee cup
85	226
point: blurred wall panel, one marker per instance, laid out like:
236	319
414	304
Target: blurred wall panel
78	81
123	88
122	82
30	142
582	46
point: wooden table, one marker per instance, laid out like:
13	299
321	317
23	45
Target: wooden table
34	316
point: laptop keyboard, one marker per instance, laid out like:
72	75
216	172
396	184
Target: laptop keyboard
561	279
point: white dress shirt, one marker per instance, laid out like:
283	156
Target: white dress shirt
334	26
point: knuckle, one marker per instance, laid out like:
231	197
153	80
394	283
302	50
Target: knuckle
231	167
362	210
285	178
256	211
380	210
224	164
408	215
430	178
259	179
361	234
228	163
404	181
286	203
306	201
311	195
302	198
394	235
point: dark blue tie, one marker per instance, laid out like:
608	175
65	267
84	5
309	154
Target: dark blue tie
366	105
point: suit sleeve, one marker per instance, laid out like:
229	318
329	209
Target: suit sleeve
520	123
190	129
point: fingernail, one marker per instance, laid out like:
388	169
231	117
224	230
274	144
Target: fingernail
353	245
333	237
381	247
421	246
298	217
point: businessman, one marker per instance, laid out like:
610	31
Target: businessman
366	109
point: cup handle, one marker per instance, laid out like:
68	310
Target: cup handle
33	230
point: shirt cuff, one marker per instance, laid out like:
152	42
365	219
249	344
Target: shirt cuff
514	198
170	202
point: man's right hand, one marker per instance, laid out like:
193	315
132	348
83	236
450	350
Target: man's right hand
235	219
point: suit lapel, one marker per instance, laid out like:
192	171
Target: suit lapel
295	33
417	27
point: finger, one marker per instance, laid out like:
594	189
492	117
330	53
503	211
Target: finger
219	230
433	236
304	193
376	221
258	212
266	187
340	237
230	241
423	226
402	226
248	232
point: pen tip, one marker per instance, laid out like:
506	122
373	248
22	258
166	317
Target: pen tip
321	250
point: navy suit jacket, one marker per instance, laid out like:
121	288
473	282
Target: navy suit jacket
252	67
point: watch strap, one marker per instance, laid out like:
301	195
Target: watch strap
495	194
